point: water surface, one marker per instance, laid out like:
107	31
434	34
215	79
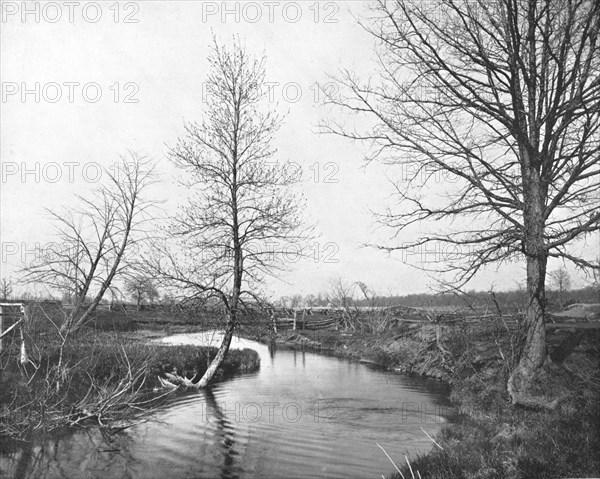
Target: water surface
302	415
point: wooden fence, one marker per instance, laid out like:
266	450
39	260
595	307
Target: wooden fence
309	322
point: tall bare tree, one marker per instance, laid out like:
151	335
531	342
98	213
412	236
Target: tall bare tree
493	108
243	212
93	240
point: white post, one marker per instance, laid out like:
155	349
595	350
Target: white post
274	321
1	328
295	317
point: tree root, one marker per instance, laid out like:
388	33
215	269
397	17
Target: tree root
532	389
174	381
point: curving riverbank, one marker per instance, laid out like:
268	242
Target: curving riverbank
98	379
490	438
300	415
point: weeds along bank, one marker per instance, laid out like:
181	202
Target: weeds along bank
490	438
101	378
493	439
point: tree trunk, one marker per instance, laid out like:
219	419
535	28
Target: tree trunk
533	356
220	357
235	295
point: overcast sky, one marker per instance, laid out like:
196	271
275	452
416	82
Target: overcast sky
82	82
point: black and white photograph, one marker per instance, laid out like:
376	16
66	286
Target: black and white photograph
300	239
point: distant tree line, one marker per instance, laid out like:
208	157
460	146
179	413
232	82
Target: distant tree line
506	300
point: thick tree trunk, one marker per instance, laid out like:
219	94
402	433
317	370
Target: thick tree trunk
533	355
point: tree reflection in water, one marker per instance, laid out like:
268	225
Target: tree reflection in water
225	431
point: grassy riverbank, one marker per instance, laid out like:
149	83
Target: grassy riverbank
101	378
490	438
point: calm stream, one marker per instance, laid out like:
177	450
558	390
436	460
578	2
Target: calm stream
302	415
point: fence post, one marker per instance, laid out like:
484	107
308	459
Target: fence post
274	321
1	328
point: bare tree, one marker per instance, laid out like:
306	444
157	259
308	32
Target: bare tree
493	109
366	291
562	282
283	302
141	288
341	294
296	301
243	212
310	300
595	276
92	242
6	288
